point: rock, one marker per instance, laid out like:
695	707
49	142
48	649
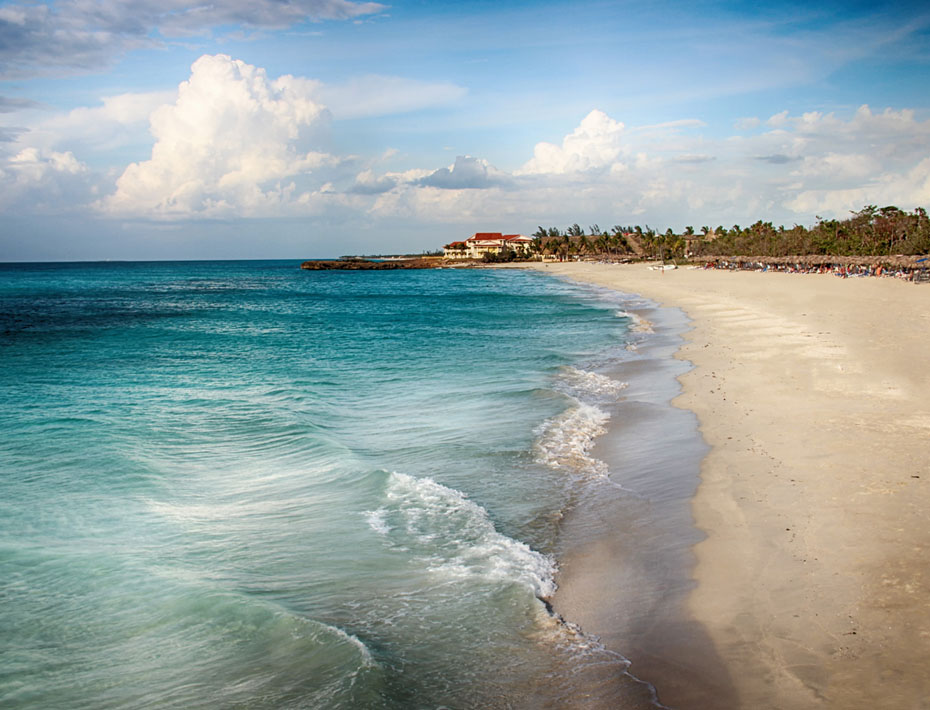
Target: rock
365	265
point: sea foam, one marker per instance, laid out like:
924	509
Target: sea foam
455	537
584	384
640	324
565	441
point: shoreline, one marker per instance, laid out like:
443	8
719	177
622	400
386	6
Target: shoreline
631	540
814	396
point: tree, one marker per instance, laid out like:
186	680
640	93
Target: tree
575	230
584	246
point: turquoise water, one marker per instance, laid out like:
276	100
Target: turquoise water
239	484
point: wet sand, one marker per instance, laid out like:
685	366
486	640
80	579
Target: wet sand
811	585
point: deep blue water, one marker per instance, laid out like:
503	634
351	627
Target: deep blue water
240	484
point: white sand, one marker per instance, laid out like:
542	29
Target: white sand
814	394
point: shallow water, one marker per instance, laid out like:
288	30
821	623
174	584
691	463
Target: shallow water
238	484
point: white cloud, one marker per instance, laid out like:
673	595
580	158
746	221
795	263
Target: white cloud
30	166
778	120
47	182
367	183
837	165
910	189
227	146
806	164
79	36
596	143
236	143
117	121
466	173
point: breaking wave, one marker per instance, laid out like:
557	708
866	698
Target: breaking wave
454	536
565	441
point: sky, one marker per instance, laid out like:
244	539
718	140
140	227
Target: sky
240	129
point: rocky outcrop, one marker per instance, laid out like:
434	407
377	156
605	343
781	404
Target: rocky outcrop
365	265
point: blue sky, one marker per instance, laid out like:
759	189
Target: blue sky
254	128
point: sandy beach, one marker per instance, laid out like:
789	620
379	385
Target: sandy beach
812	583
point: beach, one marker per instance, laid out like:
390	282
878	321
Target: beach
810	578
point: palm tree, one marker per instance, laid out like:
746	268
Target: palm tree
584	246
537	245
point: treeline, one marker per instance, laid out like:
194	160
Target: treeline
872	231
619	241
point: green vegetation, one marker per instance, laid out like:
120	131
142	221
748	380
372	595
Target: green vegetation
872	231
506	256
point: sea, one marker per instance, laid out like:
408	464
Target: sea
237	484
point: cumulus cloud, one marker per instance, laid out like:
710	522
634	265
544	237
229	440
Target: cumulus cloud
235	142
466	173
595	144
802	165
33	180
367	183
227	146
39	37
31	166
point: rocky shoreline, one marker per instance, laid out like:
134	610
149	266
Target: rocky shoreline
366	265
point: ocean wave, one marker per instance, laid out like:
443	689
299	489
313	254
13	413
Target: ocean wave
377	521
640	324
565	441
455	537
581	383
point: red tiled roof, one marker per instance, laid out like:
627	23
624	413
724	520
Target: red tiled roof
516	238
485	235
455	245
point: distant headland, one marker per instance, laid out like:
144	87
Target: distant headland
365	264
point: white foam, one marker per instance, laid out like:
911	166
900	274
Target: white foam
367	659
455	538
640	324
377	521
577	382
565	441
